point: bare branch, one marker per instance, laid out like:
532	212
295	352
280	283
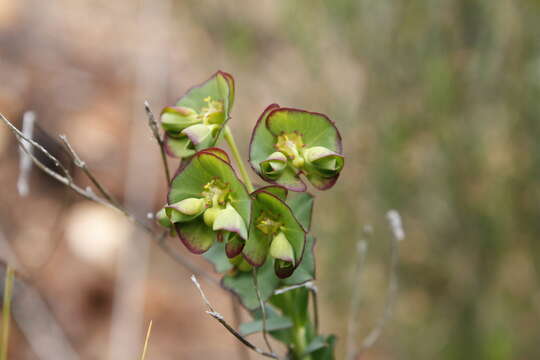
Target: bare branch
263	309
237	320
23	139
90	195
82	165
152	123
25	162
222	321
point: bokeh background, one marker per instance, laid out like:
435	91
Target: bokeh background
439	106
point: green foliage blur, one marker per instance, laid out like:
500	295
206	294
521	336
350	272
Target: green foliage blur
439	105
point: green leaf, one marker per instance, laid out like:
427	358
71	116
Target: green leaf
317	343
242	285
220	153
302	206
219	86
256	248
272	324
316	129
216	256
262	141
189	183
277	190
325	352
178	147
196	236
294	304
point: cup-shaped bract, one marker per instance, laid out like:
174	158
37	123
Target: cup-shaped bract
207	202
274	231
288	142
195	122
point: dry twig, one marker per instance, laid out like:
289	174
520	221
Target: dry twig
213	313
152	123
87	193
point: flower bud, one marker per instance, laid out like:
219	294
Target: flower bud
174	119
324	161
230	220
210	215
190	206
163	219
274	165
281	248
198	133
298	162
234	245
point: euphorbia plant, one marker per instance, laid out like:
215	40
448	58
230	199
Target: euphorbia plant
256	237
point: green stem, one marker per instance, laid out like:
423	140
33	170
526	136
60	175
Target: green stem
6	312
236	154
301	330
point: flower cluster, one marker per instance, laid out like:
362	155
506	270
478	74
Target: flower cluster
289	142
197	119
209	204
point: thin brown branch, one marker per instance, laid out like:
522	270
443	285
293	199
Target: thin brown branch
237	320
82	165
90	195
213	313
263	309
152	123
20	135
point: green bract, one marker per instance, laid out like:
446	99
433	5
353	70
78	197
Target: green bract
207	202
196	121
288	142
274	231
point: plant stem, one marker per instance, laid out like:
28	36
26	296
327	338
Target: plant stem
6	311
236	154
300	330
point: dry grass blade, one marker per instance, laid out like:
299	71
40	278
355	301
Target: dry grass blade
146	340
6	311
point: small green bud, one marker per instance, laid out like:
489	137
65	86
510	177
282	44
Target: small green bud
317	152
190	206
298	162
230	220
281	248
163	219
274	165
210	215
199	132
324	161
174	119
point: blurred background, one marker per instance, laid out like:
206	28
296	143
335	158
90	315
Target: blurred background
439	106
